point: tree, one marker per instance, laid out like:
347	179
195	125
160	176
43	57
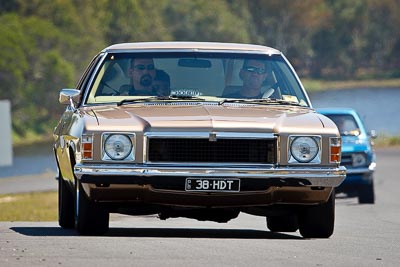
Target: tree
202	20
33	67
133	21
288	26
382	36
47	44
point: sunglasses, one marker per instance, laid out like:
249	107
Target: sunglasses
256	70
143	67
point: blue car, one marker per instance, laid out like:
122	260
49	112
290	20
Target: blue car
358	155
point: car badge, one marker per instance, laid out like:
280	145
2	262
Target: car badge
212	137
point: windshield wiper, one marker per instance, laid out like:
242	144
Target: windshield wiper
137	100
159	98
266	101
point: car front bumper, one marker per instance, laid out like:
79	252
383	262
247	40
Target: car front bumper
313	177
359	175
166	185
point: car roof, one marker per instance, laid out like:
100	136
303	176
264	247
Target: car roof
191	47
337	111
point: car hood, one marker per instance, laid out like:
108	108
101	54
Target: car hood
355	144
202	117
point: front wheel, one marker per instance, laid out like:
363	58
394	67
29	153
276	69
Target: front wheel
318	221
366	194
65	204
90	218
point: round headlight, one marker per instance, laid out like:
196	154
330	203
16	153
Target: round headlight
359	159
118	146
304	149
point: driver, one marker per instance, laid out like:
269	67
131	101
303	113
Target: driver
253	74
142	73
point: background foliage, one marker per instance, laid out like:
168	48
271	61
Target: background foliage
46	44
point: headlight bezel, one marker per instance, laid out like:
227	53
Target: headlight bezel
362	156
315	158
129	155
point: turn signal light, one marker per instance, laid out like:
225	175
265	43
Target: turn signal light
335	149
87	147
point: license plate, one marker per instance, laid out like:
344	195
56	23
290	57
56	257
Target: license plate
212	184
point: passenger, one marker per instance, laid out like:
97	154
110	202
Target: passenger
161	83
253	74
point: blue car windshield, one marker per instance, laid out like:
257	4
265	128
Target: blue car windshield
346	124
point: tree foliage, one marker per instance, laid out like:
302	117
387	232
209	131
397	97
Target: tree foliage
202	20
30	67
46	44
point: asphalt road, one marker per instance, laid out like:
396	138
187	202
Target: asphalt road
365	235
28	183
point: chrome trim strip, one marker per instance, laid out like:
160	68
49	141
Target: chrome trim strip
91	80
205	135
329	177
369	169
359	171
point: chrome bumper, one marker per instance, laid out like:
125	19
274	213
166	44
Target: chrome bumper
369	169
321	177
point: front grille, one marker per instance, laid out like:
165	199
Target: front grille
346	160
198	150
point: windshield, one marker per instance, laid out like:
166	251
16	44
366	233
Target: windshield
346	124
124	77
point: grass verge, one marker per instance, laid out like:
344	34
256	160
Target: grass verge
384	140
320	85
33	207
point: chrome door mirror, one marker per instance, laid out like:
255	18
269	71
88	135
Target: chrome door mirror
69	96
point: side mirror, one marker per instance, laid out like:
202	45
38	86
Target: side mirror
68	96
373	134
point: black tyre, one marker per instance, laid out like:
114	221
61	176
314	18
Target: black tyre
366	194
286	223
65	205
318	221
90	218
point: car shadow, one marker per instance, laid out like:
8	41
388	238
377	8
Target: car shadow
162	233
43	231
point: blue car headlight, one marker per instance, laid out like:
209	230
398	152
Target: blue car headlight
359	159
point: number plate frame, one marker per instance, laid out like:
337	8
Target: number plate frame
212	184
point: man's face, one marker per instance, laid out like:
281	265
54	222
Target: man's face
253	74
142	72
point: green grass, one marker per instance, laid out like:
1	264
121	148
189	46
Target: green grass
320	85
34	207
384	140
31	138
